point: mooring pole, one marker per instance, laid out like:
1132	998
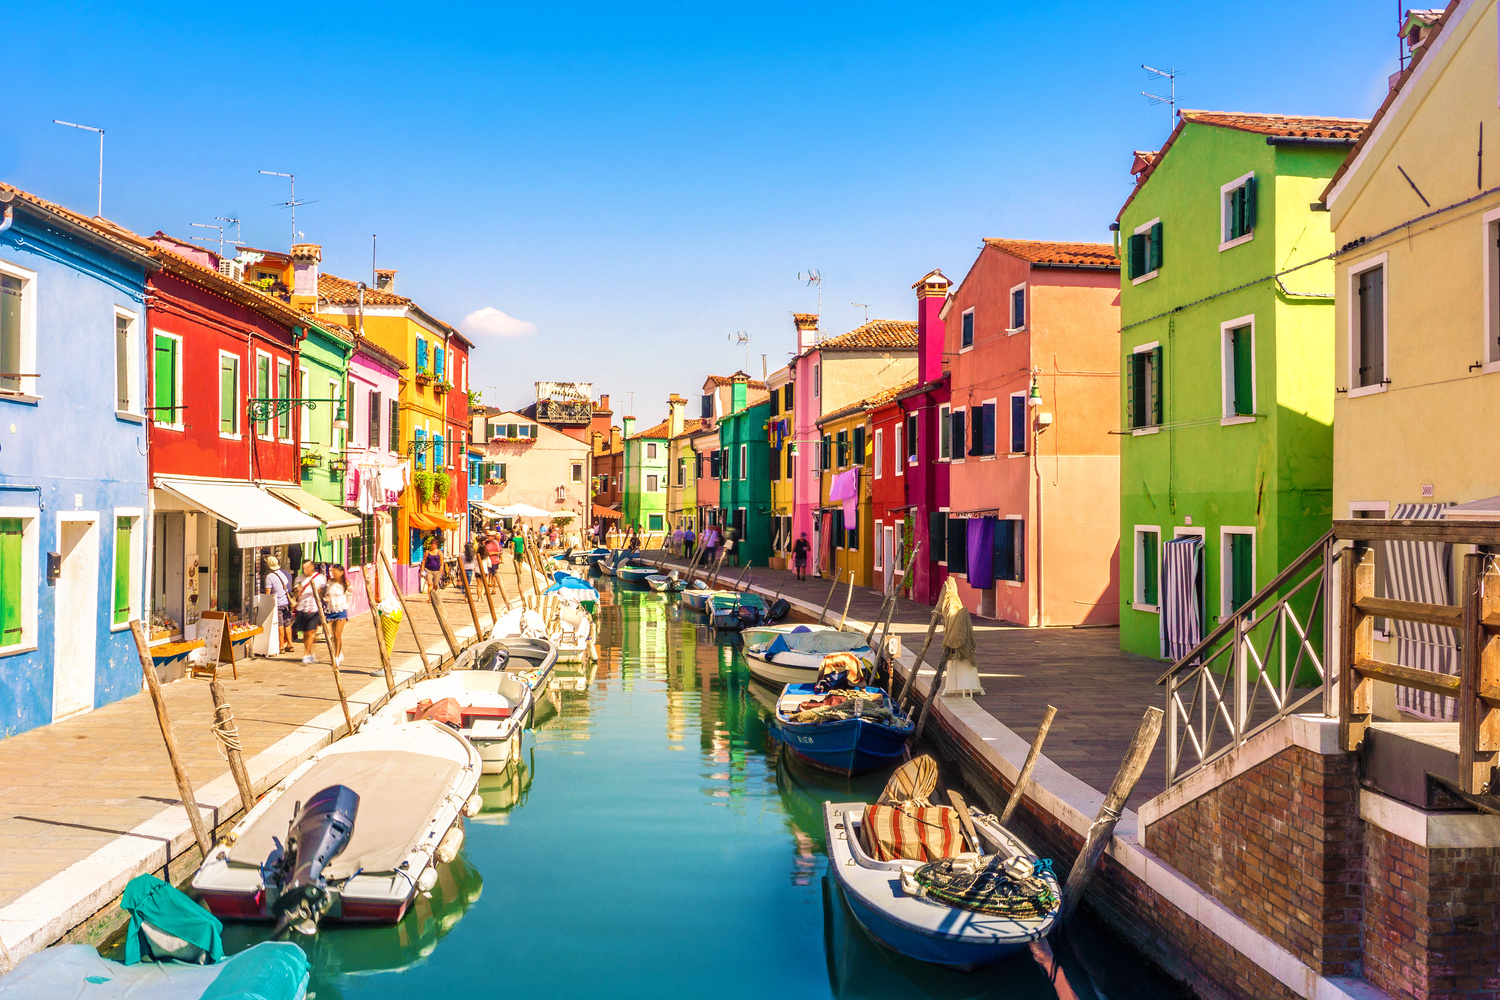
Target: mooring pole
184	786
463	578
228	735
848	596
1024	778
822	618
932	693
1103	828
385	561
442	617
385	659
917	663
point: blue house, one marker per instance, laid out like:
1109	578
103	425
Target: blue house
73	499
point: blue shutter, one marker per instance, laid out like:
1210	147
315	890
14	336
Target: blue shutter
438	365
437	452
421	448
989	429
421	354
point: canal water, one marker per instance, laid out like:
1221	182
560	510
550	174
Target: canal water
652	843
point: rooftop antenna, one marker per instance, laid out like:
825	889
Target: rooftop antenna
742	338
865	306
291	202
814	277
209	239
91	128
1170	75
632	401
373	239
230	220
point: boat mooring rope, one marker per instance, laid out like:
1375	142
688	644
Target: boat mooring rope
226	733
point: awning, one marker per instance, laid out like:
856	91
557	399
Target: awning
338	522
257	517
431	522
608	513
484	509
1487	509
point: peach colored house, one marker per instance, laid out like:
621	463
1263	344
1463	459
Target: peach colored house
532	463
1033	527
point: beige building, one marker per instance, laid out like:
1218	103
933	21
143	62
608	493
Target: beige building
531	463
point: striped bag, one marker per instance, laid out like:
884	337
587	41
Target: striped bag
916	833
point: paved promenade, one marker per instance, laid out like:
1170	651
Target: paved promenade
1100	692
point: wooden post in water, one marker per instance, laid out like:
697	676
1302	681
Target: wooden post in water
442	617
932	693
385	659
911	678
740	579
822	618
1024	778
1103	828
184	786
463	578
848	596
228	735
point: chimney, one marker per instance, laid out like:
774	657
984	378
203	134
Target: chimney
629	426
807	330
305	260
932	292
738	391
385	281
675	407
604	401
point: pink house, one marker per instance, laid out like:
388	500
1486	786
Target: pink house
373	446
1033	527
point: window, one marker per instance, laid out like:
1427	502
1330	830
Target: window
284	391
791	458
262	391
166	376
825	452
652	483
1018	423
843	449
945	432
937	536
1492	290
127	563
775	464
708	406
1239	369
911	439
1017	309
18	577
982	430
1238	215
17	329
653	522
1367	347
577	472
817	380
422	357
966	339
1010	549
229	395
715	464
1237	559
419	446
1144	378
697	466
373	441
1147	567
682	472
859	445
335	396
393	426
958	545
879	553
1145	251
127	364
899	449
438	453
650	449
786	397
851	535
956	452
879	456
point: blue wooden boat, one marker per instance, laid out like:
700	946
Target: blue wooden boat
697	597
632	573
595	555
848	746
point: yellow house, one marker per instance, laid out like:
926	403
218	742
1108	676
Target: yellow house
844	452
436	358
783	462
1415	210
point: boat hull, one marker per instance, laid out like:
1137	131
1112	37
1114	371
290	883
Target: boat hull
848	747
778	673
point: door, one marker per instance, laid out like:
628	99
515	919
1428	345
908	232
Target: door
75	620
888	554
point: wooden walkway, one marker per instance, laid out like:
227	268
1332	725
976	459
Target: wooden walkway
1100	692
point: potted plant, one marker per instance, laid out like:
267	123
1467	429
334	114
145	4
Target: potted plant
441	484
422	482
311	459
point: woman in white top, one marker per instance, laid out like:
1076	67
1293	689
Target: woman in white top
336	600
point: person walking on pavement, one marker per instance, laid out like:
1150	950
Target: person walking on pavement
492	550
799	556
309	588
279	585
336	605
432	565
469	555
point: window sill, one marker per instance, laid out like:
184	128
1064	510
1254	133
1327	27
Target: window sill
1237	241
1144	277
25	398
1148	608
1490	367
1366	390
965	350
121	628
1142	431
169	427
17	650
228	437
126	415
1015	454
1012	332
1011	583
1242	419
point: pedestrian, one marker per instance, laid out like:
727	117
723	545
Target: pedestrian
729	547
469	562
309	589
432	565
279	585
518	542
336	609
800	549
688	538
492	552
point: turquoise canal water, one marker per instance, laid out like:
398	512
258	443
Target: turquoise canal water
651	843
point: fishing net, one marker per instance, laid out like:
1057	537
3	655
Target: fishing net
1006	887
871	705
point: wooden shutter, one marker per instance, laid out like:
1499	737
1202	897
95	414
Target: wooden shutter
1137	255
989	429
421	354
1241	570
1244	368
958	545
958	438
843	449
1017	424
937	536
859	445
1154	263
1150	566
1135	400
439	356
394	431
11	632
165	377
122	570
1247	206
1157	407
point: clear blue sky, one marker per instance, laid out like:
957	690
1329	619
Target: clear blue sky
638	185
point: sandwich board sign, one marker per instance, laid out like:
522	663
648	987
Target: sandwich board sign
213	629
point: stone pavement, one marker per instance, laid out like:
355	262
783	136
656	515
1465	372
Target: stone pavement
1100	692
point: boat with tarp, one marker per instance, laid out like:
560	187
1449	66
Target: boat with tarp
489	707
796	655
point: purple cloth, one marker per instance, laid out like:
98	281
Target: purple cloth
981	552
845	487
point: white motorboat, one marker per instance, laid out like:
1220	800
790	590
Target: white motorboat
493	707
794	656
278	969
530	658
352	834
760	635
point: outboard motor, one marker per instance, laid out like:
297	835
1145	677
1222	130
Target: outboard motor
749	617
777	612
318	834
493	656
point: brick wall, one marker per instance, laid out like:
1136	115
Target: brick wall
1280	846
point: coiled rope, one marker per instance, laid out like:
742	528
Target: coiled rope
226	732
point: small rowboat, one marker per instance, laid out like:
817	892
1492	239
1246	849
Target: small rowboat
665	582
764	635
735	610
794	656
863	733
592	558
920	926
633	573
493	705
698	597
529	659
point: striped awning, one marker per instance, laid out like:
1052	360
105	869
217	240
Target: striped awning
1182	587
1421	571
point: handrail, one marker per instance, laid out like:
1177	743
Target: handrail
1314	553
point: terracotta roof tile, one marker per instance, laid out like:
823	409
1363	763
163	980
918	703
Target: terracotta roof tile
875	401
896	334
659	432
1075	254
690	427
737	376
337	291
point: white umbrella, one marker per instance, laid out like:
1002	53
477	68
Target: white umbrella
525	510
563	515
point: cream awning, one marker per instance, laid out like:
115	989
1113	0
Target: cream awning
339	523
257	517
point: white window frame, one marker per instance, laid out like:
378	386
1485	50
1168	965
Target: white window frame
175	422
945	427
1010	423
879	457
137	562
973	326
912	456
1153	428
1138	230
1355	270
1010	305
1138	584
1227	416
649	487
271	428
239	377
879	563
284	419
744	461
1225	190
31	523
134	410
995	402
1225	575
29	391
963	446
899	439
577	472
1489	232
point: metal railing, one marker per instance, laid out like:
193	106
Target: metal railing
1261	664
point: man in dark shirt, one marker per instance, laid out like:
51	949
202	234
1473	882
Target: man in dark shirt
799	556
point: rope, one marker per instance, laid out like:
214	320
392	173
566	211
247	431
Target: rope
227	733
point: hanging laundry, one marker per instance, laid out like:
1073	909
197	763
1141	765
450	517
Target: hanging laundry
846	488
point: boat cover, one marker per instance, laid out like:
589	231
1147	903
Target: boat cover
916	833
804	640
272	970
171	913
398	794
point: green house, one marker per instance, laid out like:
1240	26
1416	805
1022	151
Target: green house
644	504
1226	315
745	481
323	369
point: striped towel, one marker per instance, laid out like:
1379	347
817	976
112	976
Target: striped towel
915	833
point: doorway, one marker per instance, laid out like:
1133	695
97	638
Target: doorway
75	620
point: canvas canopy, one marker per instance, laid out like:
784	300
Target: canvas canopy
337	522
257	517
804	640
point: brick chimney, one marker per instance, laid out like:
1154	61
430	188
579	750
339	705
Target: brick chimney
932	292
676	405
305	260
604	402
385	281
807	330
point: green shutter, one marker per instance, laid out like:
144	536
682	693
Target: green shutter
1134	402
937	536
859	445
1156	255
122	570
1149	567
958	545
166	379
1158	409
1137	255
10	581
1241	570
1247	207
228	390
1244	371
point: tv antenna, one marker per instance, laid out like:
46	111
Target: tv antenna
291	202
1170	101
865	306
220	230
814	277
742	338
91	128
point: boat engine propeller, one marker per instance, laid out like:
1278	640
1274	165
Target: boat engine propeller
318	833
